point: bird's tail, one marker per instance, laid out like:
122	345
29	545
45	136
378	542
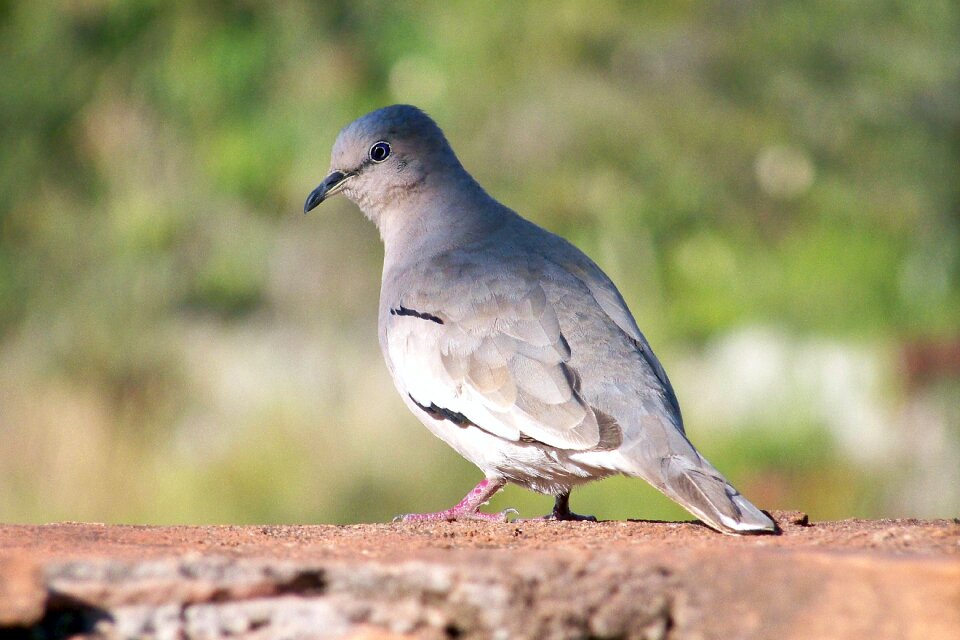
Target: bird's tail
697	486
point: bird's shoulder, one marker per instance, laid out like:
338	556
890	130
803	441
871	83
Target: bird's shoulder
473	273
524	282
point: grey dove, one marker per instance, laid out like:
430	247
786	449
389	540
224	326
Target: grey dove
508	342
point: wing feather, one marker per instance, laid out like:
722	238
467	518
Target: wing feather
498	357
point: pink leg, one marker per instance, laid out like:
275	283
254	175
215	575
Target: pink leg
469	507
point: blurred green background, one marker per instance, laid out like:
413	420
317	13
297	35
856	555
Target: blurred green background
775	187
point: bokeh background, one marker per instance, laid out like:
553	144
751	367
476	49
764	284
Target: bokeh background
775	187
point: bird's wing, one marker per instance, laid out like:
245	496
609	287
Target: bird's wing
477	344
608	297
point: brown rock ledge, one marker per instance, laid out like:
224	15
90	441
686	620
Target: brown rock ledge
846	579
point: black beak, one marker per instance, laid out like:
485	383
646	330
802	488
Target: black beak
331	185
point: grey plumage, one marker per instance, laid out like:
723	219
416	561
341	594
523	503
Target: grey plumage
508	342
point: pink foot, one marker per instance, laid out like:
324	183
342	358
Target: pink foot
468	508
451	515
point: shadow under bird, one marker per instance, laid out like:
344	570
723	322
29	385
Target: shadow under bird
508	342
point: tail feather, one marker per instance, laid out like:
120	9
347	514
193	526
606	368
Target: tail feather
706	494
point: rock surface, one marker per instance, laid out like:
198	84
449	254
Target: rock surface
847	579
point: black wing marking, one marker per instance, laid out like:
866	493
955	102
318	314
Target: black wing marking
403	311
439	413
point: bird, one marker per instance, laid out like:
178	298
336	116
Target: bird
509	343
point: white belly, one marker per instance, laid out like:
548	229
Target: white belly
531	465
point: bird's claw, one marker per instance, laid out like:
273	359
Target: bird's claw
575	517
506	513
564	517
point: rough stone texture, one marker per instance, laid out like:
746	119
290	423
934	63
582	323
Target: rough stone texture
848	579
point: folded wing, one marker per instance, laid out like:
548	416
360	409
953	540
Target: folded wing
497	356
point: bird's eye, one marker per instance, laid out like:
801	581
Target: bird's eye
380	151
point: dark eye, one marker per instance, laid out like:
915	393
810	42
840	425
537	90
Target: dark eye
380	151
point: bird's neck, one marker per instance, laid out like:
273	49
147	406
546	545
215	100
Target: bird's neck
452	211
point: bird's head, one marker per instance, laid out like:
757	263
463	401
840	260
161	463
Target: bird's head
384	157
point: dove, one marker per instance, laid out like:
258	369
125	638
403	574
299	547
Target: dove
509	343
